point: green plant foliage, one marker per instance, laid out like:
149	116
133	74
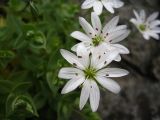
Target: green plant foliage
31	34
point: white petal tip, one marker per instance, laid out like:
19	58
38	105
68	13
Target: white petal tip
80	18
61	51
63	92
117	90
94	110
127	72
80	107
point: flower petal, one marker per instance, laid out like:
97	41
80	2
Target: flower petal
96	23
153	16
142	15
87	27
118	28
69	73
87	4
86	44
137	16
134	21
117	36
118	58
72	85
72	59
117	3
108	6
156	30
146	36
102	60
111	24
94	96
153	35
154	23
122	49
80	36
84	94
83	55
112	72
97	7
109	84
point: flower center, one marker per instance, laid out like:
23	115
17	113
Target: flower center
97	40
142	27
90	73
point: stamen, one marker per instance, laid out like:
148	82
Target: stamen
142	27
97	40
90	73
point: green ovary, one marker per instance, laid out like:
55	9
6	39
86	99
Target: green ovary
97	40
142	27
90	73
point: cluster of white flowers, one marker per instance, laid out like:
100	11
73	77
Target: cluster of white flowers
97	48
147	26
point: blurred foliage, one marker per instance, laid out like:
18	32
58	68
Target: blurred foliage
31	34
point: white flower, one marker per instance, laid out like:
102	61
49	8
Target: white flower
149	27
98	5
107	37
88	70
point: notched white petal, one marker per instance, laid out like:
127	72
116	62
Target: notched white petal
96	22
112	72
118	36
71	58
111	24
122	49
97	7
84	94
83	55
72	85
94	96
69	73
109	84
108	6
80	36
153	16
87	4
118	4
87	27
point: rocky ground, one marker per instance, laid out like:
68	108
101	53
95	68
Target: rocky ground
140	95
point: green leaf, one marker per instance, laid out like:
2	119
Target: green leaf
36	39
20	103
17	5
6	54
5	86
33	8
21	87
39	100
